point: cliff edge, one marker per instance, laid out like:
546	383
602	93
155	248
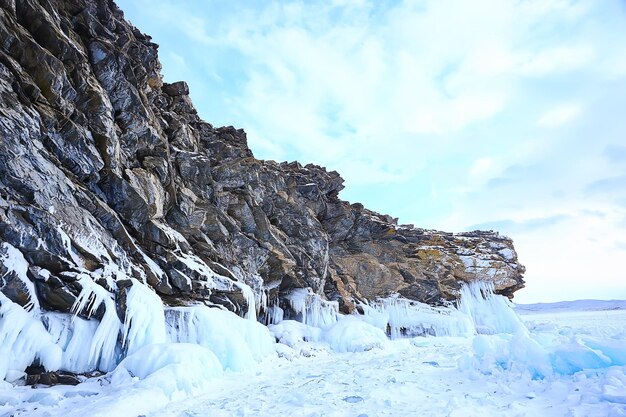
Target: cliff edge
107	174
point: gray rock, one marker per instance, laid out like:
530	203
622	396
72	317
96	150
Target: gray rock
107	171
179	88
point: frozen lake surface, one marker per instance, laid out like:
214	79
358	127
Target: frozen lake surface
421	377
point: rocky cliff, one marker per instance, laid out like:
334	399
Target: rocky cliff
107	173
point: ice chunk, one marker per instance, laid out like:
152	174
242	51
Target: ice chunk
614	388
612	348
569	358
494	353
522	351
238	343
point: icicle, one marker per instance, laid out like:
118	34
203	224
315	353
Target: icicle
250	301
407	318
490	313
144	322
313	310
73	335
103	344
238	343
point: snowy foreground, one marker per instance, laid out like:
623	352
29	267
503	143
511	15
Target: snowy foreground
557	360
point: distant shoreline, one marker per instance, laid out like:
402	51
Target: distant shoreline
576	305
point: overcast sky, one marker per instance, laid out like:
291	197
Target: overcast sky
454	115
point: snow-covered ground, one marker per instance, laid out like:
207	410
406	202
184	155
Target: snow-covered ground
421	377
565	361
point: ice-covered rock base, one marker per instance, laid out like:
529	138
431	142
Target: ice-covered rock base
407	376
476	359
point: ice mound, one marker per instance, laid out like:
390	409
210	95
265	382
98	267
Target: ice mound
521	352
349	334
238	343
174	368
293	333
494	353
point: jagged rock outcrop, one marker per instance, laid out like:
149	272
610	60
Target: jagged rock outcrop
107	173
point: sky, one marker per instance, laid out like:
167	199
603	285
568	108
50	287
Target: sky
507	115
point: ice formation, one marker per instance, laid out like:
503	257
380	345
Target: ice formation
526	353
173	368
91	344
292	333
250	300
349	334
82	343
400	317
24	340
103	349
489	312
504	343
312	309
145	320
238	343
274	314
177	349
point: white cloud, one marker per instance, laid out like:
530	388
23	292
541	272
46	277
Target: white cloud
559	115
557	60
481	167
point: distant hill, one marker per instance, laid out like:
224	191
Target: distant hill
576	305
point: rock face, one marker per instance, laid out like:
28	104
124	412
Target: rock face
108	173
